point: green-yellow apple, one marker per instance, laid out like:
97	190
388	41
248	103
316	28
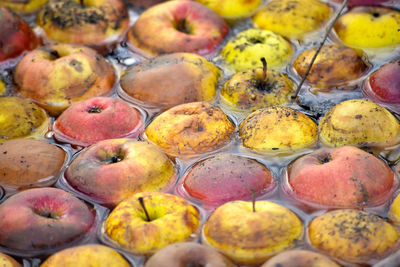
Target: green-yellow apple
189	129
292	18
112	170
146	222
170	80
250	234
57	75
245	49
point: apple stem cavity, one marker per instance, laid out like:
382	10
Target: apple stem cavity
141	201
253	199
95	109
182	26
296	92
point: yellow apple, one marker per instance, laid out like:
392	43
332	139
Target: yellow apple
278	130
27	6
369	27
2	88
394	212
7	261
232	9
292	18
170	220
250	237
361	123
245	49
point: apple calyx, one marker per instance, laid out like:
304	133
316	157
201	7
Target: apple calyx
325	158
141	201
95	109
46	214
182	26
54	54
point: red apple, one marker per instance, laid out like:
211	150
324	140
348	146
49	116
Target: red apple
96	119
15	35
178	26
383	86
223	178
43	218
111	170
341	177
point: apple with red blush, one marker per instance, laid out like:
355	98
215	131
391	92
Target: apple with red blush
15	35
343	177
223	178
383	86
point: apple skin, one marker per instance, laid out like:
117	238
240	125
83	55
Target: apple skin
383	85
232	9
24	7
250	238
7	261
86	255
189	129
299	258
98	118
369	27
292	131
21	118
170	80
188	254
292	18
96	23
156	31
172	220
64	220
353	236
145	3
223	178
359	122
335	67
341	177
141	167
243	91
245	49
58	75
19	160
15	36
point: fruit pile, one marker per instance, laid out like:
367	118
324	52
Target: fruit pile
199	133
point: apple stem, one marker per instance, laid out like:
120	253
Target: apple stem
81	2
264	77
296	92
253	199
141	201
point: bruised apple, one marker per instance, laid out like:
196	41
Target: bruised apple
191	128
170	80
57	75
343	177
112	170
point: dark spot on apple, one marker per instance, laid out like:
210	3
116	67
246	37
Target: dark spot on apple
256	40
358	116
376	15
200	128
77	65
95	109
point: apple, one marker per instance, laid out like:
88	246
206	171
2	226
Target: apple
21	118
353	3
250	234
336	66
278	130
299	258
112	170
57	75
188	254
245	49
383	85
232	9
86	255
369	27
3	88
353	236
7	261
43	218
178	26
146	222
26	163
170	80
189	129
256	88
145	3
359	122
343	177
225	177
97	118
25	7
15	36
97	23
292	18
